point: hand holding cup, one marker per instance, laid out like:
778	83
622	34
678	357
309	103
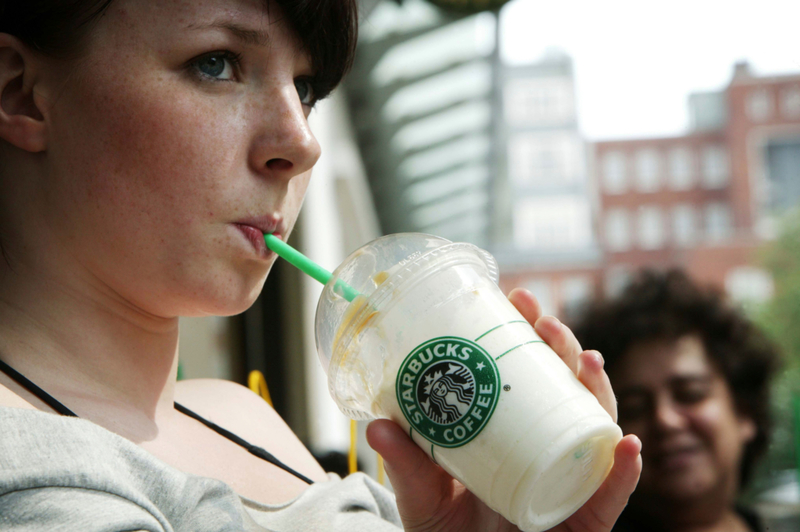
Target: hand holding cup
430	499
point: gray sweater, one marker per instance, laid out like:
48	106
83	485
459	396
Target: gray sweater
66	474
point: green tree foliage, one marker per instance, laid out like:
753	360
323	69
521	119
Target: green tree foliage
780	319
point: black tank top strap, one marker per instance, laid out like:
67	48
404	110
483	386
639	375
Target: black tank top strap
23	381
252	449
59	407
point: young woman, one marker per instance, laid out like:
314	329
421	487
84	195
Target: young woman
691	375
145	146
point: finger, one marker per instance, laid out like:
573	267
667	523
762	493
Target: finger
602	510
591	374
526	303
560	338
420	485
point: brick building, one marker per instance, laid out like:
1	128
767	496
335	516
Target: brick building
704	201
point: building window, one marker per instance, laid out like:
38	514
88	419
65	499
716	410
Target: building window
617	278
790	102
520	160
543	101
617	230
681	173
684	225
716	168
543	290
544	159
759	105
782	190
651	228
648	170
575	292
552	222
614	175
749	285
719	223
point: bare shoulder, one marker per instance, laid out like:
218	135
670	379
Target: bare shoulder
236	408
228	399
15	396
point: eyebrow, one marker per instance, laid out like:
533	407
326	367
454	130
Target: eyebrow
246	35
674	381
688	379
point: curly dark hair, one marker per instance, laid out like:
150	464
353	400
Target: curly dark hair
665	306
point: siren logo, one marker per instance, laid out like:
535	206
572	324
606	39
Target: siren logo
448	389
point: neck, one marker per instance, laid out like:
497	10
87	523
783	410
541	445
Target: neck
701	514
729	521
102	357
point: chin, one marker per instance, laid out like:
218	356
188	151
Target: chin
685	487
229	299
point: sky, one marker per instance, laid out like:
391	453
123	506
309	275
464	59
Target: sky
637	61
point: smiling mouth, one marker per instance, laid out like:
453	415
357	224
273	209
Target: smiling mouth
676	459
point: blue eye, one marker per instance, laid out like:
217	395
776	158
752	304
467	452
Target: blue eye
305	91
219	65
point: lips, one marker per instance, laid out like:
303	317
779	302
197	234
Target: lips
254	229
675	457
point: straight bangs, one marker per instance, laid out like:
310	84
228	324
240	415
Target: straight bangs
328	31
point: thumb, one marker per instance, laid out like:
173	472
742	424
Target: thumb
420	485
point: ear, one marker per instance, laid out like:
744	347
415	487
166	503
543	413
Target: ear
21	122
747	429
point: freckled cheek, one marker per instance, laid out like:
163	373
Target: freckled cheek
174	148
297	191
158	122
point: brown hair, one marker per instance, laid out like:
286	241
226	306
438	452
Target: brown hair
327	29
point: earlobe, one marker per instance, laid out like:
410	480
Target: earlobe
747	429
21	122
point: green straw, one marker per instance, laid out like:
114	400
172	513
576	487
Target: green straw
308	266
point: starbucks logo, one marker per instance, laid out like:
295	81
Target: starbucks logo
448	389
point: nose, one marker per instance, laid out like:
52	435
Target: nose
667	416
284	146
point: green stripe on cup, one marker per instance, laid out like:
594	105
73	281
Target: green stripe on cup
518	346
497	327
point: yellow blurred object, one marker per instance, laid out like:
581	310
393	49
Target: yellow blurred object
352	456
381	470
258	384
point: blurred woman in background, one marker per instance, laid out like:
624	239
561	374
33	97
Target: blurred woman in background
691	375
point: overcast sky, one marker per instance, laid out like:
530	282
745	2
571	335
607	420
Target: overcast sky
636	61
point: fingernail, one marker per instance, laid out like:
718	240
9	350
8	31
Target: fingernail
599	358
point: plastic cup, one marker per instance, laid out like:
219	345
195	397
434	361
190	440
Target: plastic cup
433	344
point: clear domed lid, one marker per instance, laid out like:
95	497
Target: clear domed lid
363	272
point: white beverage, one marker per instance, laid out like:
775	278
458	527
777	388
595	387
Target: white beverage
435	346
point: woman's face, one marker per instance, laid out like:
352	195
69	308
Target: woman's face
676	401
172	142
